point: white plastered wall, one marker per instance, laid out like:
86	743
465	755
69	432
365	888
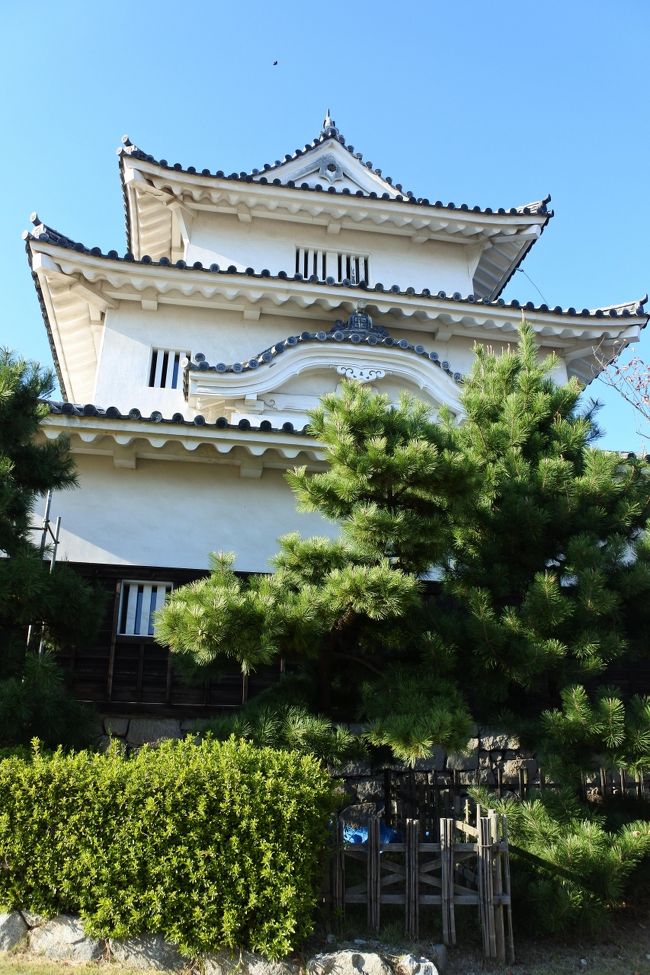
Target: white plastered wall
172	514
224	336
263	243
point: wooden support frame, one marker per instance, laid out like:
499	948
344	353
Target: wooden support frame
111	653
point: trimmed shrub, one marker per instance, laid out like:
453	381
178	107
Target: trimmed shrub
215	844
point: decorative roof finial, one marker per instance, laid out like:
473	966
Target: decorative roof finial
329	126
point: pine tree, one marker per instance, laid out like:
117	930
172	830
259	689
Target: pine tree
549	580
33	699
395	481
538	537
353	612
27	469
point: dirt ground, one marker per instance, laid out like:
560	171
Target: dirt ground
625	950
621	954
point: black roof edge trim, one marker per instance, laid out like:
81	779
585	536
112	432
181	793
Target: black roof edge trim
50	236
79	411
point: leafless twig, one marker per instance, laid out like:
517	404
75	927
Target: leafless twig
631	380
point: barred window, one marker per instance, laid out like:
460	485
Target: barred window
138	602
332	264
165	368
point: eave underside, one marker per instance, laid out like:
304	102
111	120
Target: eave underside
159	203
77	287
128	440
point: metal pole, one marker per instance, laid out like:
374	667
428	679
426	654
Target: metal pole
55	545
41	549
54	535
46	521
57	530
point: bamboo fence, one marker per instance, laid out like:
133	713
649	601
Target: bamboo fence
467	866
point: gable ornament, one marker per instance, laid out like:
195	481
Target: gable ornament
362	374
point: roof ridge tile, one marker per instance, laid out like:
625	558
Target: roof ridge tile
113	413
357	330
537	208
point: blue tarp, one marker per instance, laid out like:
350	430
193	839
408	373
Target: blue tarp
359	834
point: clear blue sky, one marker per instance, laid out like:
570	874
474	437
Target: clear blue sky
490	103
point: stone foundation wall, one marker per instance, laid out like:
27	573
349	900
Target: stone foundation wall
63	939
136	731
485	753
489	756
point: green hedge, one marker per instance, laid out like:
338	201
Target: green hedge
211	844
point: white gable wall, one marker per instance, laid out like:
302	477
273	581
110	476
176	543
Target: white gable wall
130	334
331	164
264	243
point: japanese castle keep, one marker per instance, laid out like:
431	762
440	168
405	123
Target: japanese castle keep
188	364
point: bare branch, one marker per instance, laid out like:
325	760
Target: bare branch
631	380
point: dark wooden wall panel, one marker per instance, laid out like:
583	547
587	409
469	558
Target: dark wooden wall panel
134	673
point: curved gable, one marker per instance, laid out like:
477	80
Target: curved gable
355	349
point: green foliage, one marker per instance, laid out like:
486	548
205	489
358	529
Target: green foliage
339	609
394	481
604	725
411	711
38	704
538	539
542	567
582	871
220	618
63	609
286	726
223	618
211	845
27	468
68	607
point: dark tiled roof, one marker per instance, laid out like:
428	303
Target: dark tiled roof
539	207
221	423
112	413
341	331
50	236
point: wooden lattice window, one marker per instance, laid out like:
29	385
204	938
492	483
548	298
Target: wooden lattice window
139	601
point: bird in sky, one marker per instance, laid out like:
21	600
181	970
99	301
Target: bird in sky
274	63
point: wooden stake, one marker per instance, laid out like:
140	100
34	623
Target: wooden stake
603	782
508	891
486	889
374	874
447	881
338	875
412	871
498	887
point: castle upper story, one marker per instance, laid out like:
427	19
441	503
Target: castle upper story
248	295
322	213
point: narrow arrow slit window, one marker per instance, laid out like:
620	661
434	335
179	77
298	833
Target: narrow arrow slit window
165	368
138	603
335	264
